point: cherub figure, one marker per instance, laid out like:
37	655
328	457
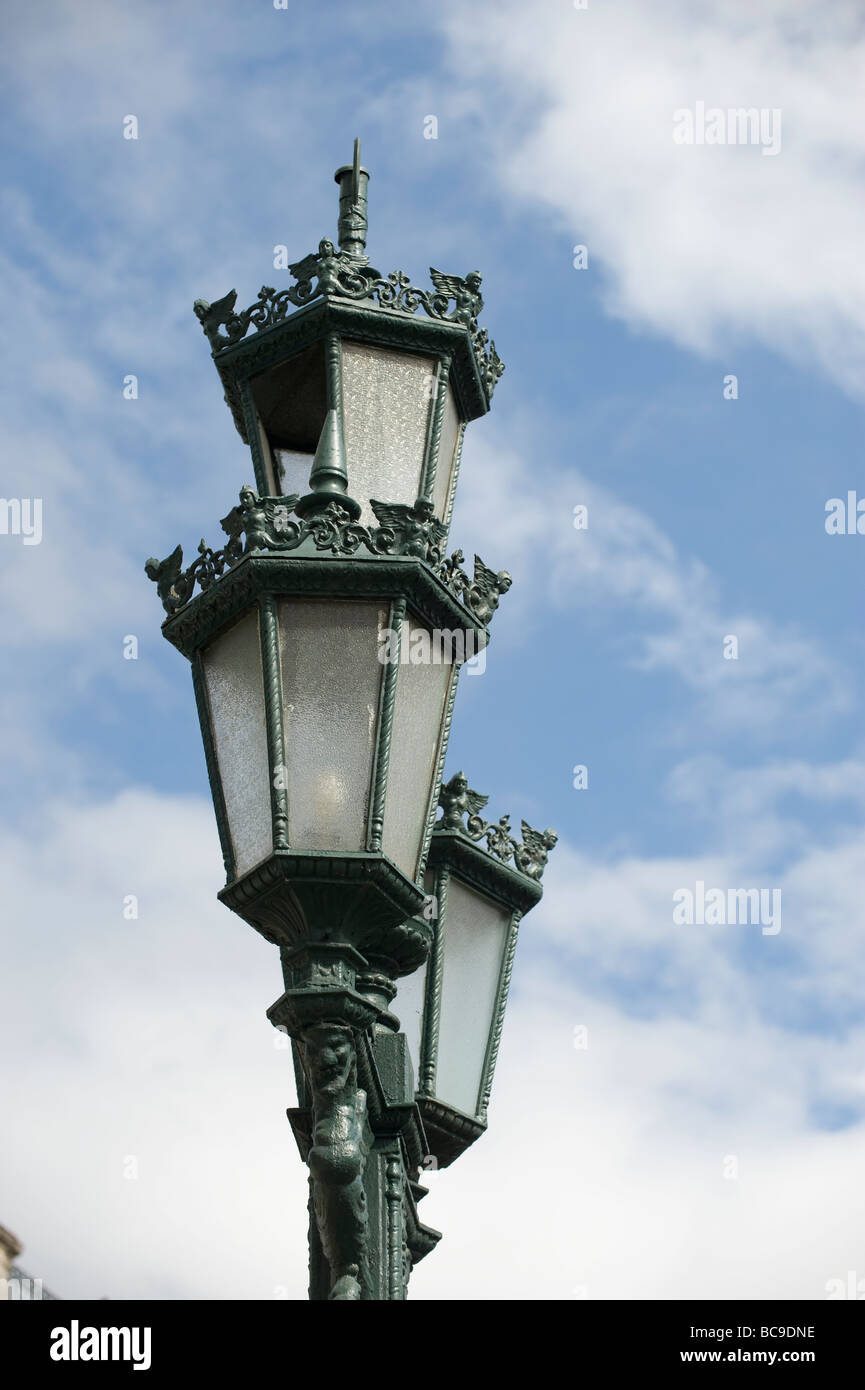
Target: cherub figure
457	800
165	574
531	856
482	595
254	519
265	520
212	316
465	293
327	267
409	530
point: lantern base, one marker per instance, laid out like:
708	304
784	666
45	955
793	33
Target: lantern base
449	1132
293	898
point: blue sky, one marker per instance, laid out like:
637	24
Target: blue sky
706	518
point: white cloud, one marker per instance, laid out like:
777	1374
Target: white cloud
769	806
602	1167
663	610
143	1038
710	246
602	1174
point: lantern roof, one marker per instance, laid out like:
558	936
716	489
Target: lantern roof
328	554
339	291
507	873
508	869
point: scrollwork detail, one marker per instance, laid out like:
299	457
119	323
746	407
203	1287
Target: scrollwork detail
260	524
330	273
460	803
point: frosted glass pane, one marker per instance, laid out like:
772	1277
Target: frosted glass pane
232	675
421	696
331	676
387	398
408	1005
475	934
267	456
295	469
447	453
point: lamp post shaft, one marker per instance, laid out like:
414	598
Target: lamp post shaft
357	1125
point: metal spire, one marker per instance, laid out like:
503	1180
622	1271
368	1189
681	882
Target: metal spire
353	179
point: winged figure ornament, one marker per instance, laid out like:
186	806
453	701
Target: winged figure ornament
165	574
457	800
409	530
213	316
466	294
485	590
531	856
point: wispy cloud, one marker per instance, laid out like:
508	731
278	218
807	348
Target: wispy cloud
711	246
150	1042
663	611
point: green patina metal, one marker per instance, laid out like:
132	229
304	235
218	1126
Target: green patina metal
456	853
435	434
241	364
336	298
352	179
495	1037
356	303
349	924
429	598
452	491
274	723
387	704
438	884
265	525
443	746
328	478
212	765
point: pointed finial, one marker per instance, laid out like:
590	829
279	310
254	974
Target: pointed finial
355	170
329	476
352	179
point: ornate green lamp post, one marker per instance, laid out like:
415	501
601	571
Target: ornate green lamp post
325	641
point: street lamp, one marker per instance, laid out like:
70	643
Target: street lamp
325	640
453	1006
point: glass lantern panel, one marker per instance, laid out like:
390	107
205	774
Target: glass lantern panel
474	943
387	399
407	1004
235	694
421	699
294	469
331	677
267	457
447	456
291	400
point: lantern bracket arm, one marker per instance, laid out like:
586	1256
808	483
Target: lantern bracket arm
385	1073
